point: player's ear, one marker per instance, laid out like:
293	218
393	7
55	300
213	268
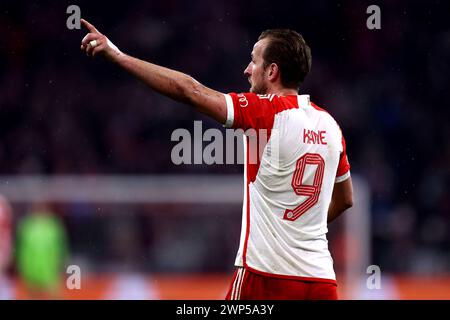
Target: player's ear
273	72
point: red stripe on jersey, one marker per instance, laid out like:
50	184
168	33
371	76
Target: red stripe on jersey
315	106
245	117
247	205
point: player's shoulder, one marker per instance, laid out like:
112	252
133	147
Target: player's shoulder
279	103
255	97
245	99
324	114
273	102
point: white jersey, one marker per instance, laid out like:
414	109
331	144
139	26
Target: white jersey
288	186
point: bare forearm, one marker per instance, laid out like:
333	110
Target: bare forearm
171	83
174	84
335	210
341	200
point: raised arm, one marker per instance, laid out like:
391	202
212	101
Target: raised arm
341	200
173	84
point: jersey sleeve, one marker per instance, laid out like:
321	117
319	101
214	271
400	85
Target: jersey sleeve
249	110
343	171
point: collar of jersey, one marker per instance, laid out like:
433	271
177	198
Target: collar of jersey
303	100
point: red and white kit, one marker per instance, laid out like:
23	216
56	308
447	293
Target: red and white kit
288	189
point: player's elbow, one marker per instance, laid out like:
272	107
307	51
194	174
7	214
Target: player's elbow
347	196
191	91
348	202
344	202
181	89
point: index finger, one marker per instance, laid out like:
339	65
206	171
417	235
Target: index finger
88	26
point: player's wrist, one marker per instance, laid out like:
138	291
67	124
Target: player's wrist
112	52
116	56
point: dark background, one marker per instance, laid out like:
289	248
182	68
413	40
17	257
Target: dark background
64	113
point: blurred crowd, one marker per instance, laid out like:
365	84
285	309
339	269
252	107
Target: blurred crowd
64	113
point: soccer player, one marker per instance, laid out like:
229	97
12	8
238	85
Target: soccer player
283	252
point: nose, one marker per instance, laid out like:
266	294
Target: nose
247	71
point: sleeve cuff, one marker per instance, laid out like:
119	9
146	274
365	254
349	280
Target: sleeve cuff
230	111
342	178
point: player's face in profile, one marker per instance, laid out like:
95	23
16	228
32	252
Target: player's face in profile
255	70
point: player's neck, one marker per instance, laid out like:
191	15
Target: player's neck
281	91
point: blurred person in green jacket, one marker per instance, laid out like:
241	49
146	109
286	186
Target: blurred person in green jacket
41	253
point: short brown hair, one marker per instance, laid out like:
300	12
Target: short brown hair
289	51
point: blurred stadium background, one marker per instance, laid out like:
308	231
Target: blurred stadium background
89	145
